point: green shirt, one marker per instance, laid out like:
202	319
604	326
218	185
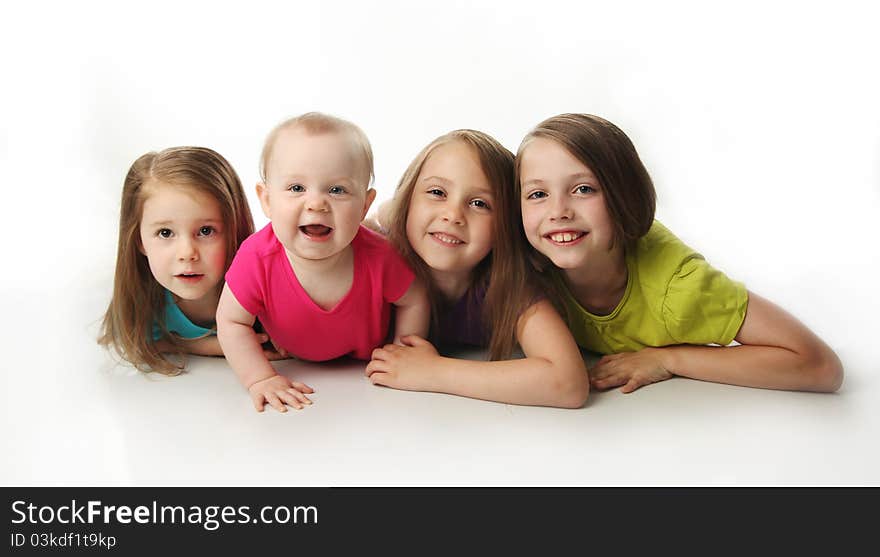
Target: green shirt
673	296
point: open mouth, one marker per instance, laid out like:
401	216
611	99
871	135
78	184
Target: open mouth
190	277
316	230
447	239
566	237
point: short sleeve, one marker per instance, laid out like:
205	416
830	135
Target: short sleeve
244	279
396	276
702	305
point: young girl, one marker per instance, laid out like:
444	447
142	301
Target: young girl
635	292
322	285
183	216
452	217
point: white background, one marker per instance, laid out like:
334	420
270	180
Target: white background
759	123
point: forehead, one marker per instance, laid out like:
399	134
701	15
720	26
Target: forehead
165	201
543	157
457	163
298	150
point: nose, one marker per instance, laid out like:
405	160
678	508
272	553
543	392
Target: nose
187	250
560	209
317	202
452	213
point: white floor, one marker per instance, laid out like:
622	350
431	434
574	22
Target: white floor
73	417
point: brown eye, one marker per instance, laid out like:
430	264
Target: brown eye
164	233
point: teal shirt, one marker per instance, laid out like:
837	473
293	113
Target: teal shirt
178	323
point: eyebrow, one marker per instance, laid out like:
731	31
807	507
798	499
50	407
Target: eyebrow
162	222
575	176
482	191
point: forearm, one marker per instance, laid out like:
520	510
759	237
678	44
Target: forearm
243	352
767	367
205	346
410	320
526	381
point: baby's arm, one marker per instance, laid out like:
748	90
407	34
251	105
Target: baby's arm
245	355
551	374
777	352
413	312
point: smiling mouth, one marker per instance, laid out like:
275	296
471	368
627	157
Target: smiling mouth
316	230
447	239
565	237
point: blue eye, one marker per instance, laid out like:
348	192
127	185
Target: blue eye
337	190
480	204
164	233
206	230
537	195
296	188
583	188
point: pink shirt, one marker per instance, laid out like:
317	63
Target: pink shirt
265	285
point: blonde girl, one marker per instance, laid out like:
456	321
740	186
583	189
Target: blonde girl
454	219
183	216
632	290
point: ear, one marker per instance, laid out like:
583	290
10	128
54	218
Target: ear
371	196
263	196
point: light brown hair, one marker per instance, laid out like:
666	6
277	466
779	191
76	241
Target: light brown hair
320	123
138	299
503	271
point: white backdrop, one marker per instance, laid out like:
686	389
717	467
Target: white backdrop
758	121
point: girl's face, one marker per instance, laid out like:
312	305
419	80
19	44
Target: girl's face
184	239
563	206
449	223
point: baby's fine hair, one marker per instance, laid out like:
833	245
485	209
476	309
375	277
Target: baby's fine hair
319	123
138	299
503	272
607	151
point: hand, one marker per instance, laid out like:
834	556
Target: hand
630	369
404	366
278	354
279	391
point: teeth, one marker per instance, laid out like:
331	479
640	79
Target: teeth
446	239
563	237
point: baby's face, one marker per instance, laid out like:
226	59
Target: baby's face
316	195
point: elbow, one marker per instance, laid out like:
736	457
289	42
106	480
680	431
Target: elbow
827	372
573	390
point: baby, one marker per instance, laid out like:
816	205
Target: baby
321	284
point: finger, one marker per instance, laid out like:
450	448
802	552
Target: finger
631	385
391	347
262	337
413	340
302	387
373	367
382	353
380	378
275	402
299	396
289	399
258	402
278	349
273	356
609	382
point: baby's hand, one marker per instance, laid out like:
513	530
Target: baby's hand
630	369
279	391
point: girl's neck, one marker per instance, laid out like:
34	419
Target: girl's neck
451	284
599	285
202	311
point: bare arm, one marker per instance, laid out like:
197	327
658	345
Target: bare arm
413	312
248	361
551	374
205	346
777	352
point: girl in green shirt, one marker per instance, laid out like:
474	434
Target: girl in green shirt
632	290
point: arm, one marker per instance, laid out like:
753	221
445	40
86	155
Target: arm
210	346
244	353
551	374
413	312
777	352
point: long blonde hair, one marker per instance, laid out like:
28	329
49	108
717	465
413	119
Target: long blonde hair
503	271
138	299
